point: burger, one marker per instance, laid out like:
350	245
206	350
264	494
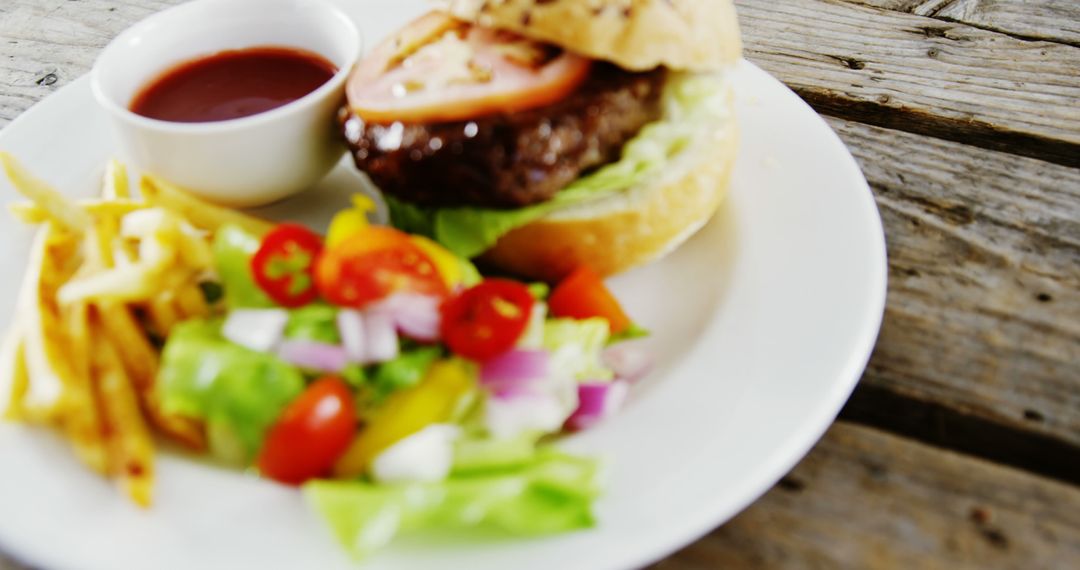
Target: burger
541	135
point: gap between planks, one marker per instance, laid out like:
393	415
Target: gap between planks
863	498
1049	20
980	344
922	75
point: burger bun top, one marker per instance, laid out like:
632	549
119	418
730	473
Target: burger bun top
691	35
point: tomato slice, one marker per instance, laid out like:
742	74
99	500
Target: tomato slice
311	434
441	69
374	263
582	295
487	319
283	264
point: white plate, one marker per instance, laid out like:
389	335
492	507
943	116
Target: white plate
762	324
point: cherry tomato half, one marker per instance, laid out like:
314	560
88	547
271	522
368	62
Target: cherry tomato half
582	295
283	264
311	434
374	263
487	319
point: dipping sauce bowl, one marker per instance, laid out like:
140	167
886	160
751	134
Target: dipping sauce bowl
246	161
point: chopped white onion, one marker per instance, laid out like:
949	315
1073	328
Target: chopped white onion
257	329
314	355
627	361
350	325
507	417
533	337
425	456
380	337
414	315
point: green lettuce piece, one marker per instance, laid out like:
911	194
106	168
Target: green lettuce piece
317	322
237	391
404	371
233	248
553	493
575	347
634	331
478	453
689	101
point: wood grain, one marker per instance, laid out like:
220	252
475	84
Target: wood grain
922	75
866	499
983	309
1053	20
46	45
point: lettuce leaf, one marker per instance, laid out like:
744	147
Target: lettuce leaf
317	322
233	248
474	453
404	371
689	101
575	347
237	391
553	493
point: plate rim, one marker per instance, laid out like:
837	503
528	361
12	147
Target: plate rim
779	461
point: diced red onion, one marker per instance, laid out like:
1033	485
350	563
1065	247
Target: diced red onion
512	371
314	355
414	315
350	325
257	329
597	401
627	361
380	337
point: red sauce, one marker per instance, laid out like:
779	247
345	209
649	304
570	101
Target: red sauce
232	84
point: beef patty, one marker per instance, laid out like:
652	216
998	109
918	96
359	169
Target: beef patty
507	160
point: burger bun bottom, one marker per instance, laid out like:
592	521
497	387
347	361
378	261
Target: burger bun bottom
628	228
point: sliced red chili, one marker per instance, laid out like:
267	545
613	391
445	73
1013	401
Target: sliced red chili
283	264
487	319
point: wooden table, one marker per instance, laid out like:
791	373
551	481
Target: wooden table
961	445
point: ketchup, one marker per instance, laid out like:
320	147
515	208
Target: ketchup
232	84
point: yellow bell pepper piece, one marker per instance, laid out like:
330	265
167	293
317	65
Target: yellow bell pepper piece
435	399
347	223
446	263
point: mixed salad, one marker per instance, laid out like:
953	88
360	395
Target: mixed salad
396	384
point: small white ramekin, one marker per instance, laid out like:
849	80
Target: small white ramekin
241	162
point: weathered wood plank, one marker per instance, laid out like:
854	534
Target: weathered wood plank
983	309
1053	20
865	499
922	75
48	44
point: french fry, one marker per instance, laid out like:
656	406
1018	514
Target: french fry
115	185
200	213
81	418
191	303
33	213
60	209
14	378
140	361
100	254
163	315
130	447
41	325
